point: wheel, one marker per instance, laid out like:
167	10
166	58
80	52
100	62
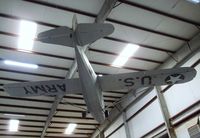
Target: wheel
84	114
106	113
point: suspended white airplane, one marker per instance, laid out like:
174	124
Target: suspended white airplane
88	83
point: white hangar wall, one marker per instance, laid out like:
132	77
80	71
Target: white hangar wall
145	119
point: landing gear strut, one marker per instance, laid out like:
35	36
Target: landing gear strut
84	114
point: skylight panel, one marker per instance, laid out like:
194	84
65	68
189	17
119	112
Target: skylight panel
16	115
27	34
20	64
127	52
70	128
13	125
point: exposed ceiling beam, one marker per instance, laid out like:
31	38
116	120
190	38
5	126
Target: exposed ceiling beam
134	4
148	30
91	49
69	58
54	127
103	13
140	45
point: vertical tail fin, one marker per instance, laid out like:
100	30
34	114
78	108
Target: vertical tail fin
74	22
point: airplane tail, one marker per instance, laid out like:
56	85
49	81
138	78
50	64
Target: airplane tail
74	22
87	33
80	34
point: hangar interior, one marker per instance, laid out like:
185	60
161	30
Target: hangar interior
168	35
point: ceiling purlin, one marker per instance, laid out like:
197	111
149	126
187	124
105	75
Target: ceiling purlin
68	58
134	4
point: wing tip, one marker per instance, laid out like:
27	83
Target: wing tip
110	27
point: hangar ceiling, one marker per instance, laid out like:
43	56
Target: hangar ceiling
159	27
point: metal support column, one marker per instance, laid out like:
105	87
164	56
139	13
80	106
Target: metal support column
126	125
165	113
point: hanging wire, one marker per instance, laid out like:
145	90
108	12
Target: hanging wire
98	129
188	44
198	27
119	3
74	105
172	57
124	98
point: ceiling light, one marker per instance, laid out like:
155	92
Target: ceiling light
194	1
70	128
27	33
15	63
13	125
127	52
100	75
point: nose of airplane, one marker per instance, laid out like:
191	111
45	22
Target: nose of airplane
109	28
42	36
101	119
99	116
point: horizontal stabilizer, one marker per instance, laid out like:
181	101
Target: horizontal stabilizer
84	33
52	87
137	80
87	33
60	36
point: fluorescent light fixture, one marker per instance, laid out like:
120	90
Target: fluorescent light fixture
100	75
27	33
13	125
127	52
194	1
15	63
70	128
14	115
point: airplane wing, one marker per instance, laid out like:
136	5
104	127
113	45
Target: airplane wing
146	78
87	33
60	36
51	87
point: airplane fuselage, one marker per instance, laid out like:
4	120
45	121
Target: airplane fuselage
91	89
